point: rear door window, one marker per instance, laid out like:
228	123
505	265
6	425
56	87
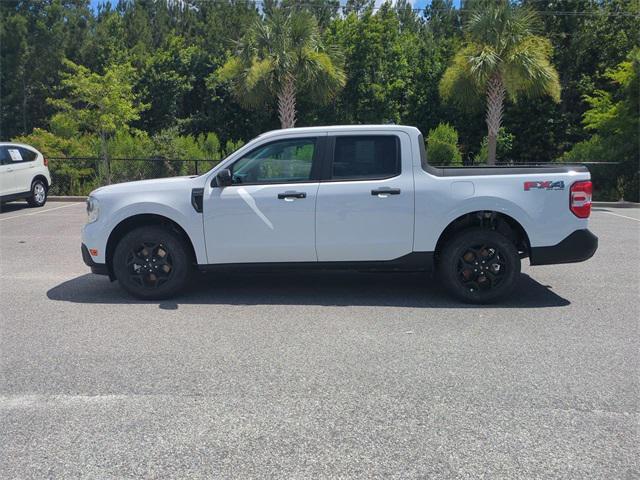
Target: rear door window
27	155
15	155
363	157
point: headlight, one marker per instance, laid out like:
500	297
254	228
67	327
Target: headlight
93	209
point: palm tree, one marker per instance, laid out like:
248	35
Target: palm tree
280	56
503	56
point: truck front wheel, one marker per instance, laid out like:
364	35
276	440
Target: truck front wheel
151	263
479	266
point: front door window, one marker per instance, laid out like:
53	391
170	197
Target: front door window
286	161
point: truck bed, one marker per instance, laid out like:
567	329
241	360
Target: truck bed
503	170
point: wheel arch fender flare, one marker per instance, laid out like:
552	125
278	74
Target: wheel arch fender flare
140	214
41	177
474	208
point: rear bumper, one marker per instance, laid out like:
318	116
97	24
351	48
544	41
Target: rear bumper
577	247
97	268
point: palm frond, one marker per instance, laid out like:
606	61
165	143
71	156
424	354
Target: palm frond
458	84
528	70
483	64
231	69
284	46
260	71
322	77
501	24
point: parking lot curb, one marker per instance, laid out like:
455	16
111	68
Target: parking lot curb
616	204
68	198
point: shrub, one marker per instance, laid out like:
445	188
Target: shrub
442	146
132	155
503	148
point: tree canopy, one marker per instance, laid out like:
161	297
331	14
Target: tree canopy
393	58
502	56
283	56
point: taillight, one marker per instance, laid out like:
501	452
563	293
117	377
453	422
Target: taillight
580	202
46	161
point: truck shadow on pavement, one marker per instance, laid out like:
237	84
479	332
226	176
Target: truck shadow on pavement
311	288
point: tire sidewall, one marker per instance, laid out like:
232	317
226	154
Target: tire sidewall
176	247
32	200
448	267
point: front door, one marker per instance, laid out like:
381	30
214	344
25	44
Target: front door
268	213
365	207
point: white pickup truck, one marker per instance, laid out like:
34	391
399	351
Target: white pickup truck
346	197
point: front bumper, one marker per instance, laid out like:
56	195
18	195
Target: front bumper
577	247
97	268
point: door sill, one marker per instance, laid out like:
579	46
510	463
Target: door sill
412	262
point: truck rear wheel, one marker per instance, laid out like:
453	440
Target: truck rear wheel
479	266
152	263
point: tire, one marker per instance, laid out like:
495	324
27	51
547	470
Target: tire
152	263
467	278
38	195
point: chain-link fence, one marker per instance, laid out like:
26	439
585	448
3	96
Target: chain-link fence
80	175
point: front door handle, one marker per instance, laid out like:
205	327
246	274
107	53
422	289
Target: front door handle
383	192
290	195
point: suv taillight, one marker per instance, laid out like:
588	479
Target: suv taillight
46	161
580	200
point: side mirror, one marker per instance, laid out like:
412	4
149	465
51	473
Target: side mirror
224	178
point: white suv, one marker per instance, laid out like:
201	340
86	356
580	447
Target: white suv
23	174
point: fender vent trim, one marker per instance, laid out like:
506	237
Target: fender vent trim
197	195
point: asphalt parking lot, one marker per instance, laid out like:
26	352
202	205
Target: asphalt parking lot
315	375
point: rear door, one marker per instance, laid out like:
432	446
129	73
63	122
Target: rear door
268	213
24	169
7	181
18	168
365	205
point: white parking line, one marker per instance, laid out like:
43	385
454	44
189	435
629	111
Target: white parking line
39	211
618	215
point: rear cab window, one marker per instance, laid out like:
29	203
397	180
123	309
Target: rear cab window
423	152
365	157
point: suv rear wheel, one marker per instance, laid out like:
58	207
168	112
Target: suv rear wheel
152	263
479	266
38	194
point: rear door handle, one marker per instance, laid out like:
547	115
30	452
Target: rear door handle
290	195
383	192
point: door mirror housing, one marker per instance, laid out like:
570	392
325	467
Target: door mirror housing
224	178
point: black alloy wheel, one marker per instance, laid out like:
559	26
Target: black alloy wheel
479	265
152	262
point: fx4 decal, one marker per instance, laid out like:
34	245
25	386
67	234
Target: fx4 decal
547	185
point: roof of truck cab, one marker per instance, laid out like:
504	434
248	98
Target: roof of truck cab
342	128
